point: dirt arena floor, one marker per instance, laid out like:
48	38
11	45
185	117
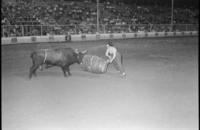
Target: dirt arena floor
160	91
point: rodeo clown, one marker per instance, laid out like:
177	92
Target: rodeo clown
112	54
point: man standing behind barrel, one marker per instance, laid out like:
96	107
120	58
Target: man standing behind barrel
112	54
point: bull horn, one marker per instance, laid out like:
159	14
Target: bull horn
76	51
85	51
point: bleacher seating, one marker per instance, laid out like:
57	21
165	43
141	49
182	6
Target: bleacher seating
75	13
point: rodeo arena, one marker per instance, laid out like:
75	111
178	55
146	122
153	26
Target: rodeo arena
99	64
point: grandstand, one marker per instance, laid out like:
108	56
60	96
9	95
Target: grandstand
42	17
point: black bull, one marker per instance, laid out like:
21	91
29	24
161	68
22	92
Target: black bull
61	57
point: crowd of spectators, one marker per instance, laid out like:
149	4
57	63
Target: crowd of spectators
43	17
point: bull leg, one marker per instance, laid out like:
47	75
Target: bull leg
33	71
37	62
63	69
32	68
68	70
41	67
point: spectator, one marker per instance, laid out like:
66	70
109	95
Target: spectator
43	12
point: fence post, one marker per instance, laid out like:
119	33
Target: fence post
22	30
24	26
186	27
41	30
104	28
76	29
3	30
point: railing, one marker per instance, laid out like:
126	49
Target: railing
40	30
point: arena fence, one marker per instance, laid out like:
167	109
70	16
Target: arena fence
93	37
41	30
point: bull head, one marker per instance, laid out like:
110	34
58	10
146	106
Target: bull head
76	51
80	55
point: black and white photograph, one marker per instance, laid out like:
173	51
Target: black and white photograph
99	64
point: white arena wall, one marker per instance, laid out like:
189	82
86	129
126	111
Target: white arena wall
92	37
